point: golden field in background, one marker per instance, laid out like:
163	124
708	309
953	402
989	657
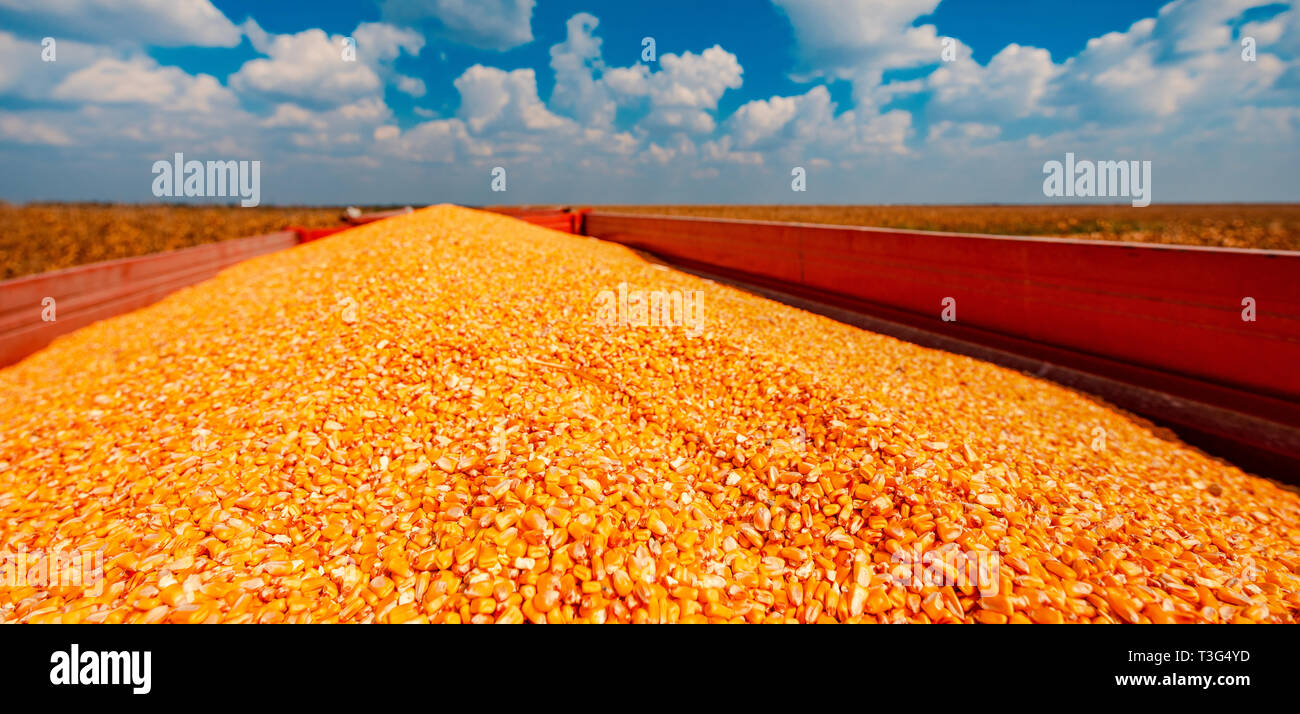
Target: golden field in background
39	237
1260	226
48	236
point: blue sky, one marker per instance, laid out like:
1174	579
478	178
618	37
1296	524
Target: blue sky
856	92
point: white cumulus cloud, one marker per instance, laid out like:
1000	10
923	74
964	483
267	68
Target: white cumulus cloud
141	80
21	130
486	24
493	99
164	23
317	69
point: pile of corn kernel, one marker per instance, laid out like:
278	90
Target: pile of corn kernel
422	420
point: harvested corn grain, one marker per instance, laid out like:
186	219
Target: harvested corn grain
423	420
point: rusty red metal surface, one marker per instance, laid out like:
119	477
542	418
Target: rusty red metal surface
307	235
559	219
350	218
1174	309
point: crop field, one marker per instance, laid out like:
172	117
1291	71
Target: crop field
1258	226
49	236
